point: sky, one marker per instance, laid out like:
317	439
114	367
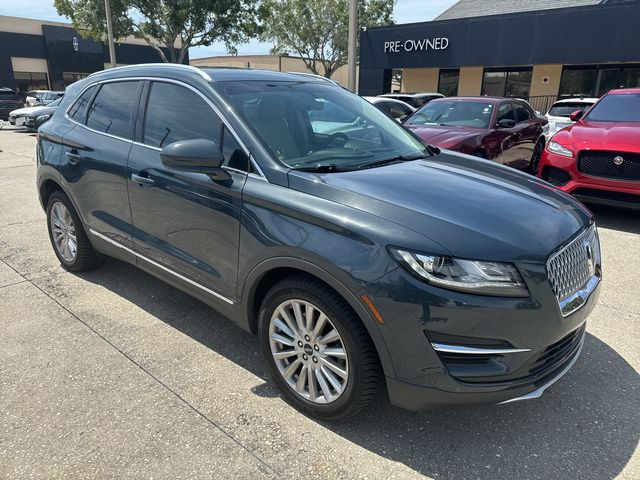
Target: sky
406	11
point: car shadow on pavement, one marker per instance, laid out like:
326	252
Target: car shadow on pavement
586	426
616	218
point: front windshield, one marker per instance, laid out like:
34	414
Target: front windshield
618	107
55	103
565	109
460	113
311	124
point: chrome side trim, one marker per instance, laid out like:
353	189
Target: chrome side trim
448	348
162	267
574	302
538	392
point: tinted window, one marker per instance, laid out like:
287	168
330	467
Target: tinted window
311	124
76	112
111	110
454	112
398	110
566	109
616	108
448	82
505	112
234	155
522	113
177	113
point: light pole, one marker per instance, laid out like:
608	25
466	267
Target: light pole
352	49
112	47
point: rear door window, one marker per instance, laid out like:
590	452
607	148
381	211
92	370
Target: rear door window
505	112
176	113
76	112
112	108
522	113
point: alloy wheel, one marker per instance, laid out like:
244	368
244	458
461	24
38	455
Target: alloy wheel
63	232
308	351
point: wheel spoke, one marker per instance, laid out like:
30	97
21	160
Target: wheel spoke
332	378
323	385
332	336
337	352
297	311
309	314
302	379
311	380
291	369
282	312
283	340
285	354
322	320
334	367
283	328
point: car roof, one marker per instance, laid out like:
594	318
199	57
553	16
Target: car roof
210	74
576	100
412	94
475	99
385	99
621	91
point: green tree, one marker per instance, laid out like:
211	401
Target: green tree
318	30
174	25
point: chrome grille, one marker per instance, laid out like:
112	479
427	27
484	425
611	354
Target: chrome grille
570	268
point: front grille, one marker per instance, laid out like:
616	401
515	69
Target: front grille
555	176
557	353
570	268
599	163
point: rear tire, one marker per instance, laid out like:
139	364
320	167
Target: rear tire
330	371
68	238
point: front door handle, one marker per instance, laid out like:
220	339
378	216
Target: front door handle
73	156
142	180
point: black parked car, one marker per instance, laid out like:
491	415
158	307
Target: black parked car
9	101
356	255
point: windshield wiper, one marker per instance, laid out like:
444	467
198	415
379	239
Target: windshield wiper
332	167
399	158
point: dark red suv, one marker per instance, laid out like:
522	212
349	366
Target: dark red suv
505	130
598	157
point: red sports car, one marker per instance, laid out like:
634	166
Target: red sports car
506	130
598	158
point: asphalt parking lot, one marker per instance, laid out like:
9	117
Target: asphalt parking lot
114	374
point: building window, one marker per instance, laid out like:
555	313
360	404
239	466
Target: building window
69	77
595	81
507	83
448	82
27	81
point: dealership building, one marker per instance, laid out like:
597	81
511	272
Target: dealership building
42	55
521	48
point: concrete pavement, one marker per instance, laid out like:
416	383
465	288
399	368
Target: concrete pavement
114	374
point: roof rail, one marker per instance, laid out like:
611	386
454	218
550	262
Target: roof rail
191	68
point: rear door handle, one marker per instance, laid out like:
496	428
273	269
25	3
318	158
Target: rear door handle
142	180
73	156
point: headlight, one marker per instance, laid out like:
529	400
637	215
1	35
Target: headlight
473	276
43	118
555	147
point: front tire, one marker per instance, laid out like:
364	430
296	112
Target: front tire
317	349
534	164
67	236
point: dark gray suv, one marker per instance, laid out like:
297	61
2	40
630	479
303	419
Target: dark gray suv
304	214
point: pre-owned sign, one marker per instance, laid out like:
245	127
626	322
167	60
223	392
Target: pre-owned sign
421	45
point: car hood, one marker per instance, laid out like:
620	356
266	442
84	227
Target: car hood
601	136
444	136
471	207
24	111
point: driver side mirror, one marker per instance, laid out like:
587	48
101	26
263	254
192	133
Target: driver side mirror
403	118
577	115
506	123
197	155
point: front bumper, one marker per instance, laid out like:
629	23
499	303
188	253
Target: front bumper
543	342
563	173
